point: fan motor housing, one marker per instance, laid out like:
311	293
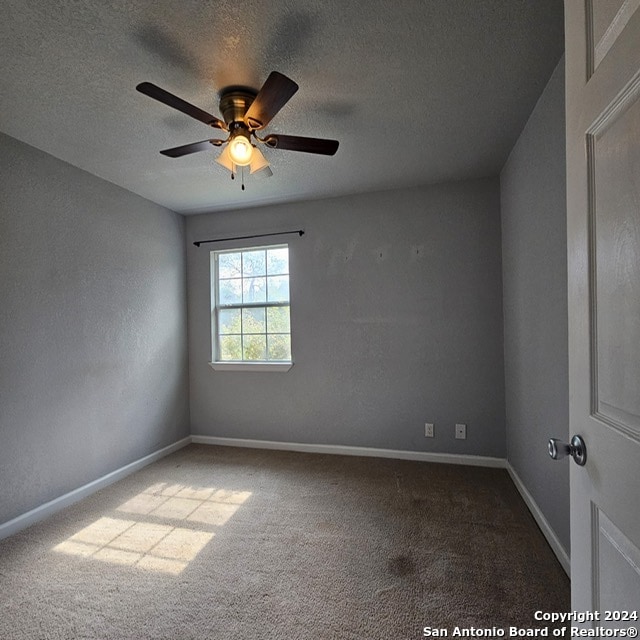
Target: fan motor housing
234	102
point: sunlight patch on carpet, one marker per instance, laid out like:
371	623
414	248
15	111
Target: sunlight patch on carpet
207	505
142	544
147	537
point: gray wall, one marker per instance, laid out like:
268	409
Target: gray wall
396	321
535	304
93	365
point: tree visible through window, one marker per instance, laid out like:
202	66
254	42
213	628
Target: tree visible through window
250	296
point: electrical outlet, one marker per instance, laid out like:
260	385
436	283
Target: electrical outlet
461	431
428	430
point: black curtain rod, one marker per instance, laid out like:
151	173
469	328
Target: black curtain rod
260	235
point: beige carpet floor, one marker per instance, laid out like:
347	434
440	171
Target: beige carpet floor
240	544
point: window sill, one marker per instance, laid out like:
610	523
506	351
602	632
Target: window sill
280	367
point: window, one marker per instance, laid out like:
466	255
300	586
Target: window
250	306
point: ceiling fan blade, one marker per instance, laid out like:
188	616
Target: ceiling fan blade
194	147
274	94
170	100
299	143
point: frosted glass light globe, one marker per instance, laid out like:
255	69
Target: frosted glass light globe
240	150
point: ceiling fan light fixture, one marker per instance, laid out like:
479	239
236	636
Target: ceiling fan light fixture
225	160
245	111
258	161
240	150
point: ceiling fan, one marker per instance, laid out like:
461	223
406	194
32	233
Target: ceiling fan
245	112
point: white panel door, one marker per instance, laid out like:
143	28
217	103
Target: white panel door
603	200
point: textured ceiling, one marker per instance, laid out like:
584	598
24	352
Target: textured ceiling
416	91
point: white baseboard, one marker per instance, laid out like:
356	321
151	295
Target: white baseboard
44	511
422	456
545	527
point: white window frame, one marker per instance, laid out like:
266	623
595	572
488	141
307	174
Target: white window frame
243	365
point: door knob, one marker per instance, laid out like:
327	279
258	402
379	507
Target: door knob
577	450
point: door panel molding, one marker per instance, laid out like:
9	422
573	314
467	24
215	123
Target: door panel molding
595	557
599	39
613	553
620	413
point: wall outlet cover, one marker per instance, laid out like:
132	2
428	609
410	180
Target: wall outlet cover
461	431
428	430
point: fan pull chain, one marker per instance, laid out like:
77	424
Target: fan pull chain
233	176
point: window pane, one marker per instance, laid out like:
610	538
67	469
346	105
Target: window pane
253	320
255	347
254	263
230	348
279	347
277	261
247	327
278	288
230	291
229	321
229	265
278	320
254	290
